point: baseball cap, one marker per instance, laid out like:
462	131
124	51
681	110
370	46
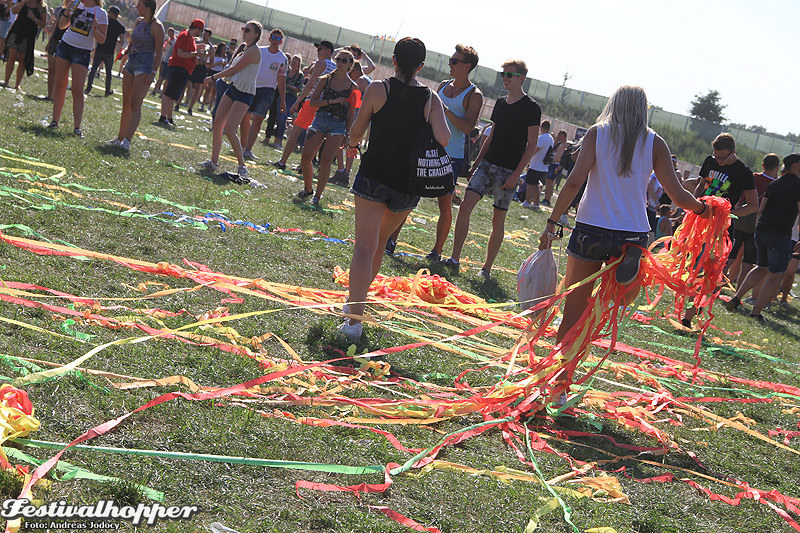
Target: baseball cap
790	160
324	44
197	23
113	9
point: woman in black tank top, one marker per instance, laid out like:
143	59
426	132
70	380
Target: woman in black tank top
395	110
334	117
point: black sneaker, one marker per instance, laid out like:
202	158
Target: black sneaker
304	194
758	318
189	111
545	202
434	256
279	165
110	92
390	246
77	133
686	322
628	269
53	125
733	304
163	120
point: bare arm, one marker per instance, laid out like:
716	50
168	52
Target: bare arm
576	179
472	107
251	56
750	204
367	65
315	101
316	72
665	172
438	122
157	31
374	98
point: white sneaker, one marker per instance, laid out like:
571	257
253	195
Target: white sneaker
242	171
352	332
113	142
125	144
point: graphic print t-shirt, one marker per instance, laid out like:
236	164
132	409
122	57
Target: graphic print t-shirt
728	181
79	34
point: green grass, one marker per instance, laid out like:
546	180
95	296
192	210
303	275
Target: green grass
254	499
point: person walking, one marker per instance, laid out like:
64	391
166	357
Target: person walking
144	53
395	110
238	96
617	156
181	66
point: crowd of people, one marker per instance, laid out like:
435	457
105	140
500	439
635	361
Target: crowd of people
620	177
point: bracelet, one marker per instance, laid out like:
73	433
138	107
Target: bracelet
352	147
703	210
553	222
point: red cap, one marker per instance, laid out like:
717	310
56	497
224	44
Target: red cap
197	23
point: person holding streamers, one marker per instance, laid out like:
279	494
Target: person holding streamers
616	159
395	110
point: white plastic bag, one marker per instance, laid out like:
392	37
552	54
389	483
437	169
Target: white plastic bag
536	278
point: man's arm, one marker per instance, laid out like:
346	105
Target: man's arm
319	68
367	65
750	204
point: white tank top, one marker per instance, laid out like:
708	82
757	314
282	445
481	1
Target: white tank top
612	201
245	79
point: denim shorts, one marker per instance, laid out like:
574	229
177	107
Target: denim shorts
238	96
491	177
5	26
328	125
458	166
262	101
598	245
176	82
535	176
140	63
378	192
73	54
774	251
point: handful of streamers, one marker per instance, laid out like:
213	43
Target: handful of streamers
690	266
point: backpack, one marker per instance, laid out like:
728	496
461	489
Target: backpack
548	156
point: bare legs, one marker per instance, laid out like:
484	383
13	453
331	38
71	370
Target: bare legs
229	116
374	222
134	89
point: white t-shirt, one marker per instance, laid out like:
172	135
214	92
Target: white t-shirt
544	143
79	34
271	66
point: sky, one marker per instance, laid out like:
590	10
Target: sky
746	50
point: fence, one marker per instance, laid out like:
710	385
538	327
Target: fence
437	68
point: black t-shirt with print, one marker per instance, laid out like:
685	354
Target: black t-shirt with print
780	211
510	130
728	181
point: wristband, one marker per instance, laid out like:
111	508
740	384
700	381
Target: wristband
352	147
553	222
703	210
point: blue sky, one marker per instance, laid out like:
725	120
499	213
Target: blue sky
746	50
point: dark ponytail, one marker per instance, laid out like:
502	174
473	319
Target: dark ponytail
409	54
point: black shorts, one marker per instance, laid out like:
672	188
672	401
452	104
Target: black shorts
535	176
198	74
176	82
748	241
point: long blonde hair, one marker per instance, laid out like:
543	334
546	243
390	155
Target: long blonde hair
625	115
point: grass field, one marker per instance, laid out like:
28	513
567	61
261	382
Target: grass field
149	206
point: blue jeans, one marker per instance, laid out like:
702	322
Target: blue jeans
774	251
280	126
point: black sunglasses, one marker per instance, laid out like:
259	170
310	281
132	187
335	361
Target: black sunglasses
344	59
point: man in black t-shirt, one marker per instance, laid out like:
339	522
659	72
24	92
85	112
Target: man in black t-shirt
776	216
104	53
500	162
725	175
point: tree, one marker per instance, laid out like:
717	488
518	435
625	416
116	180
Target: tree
708	107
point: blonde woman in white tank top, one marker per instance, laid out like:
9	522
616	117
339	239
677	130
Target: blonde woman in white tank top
617	156
232	107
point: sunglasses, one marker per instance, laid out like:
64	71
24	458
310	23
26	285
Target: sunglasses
721	158
275	38
509	75
246	30
344	60
454	61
